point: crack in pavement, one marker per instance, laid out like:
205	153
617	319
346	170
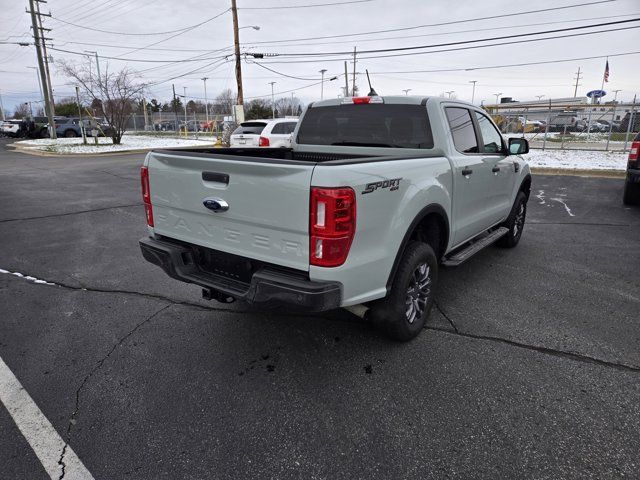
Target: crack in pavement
71	213
98	365
445	316
154	296
579	357
582	223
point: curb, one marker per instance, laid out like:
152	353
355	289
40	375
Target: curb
578	172
40	153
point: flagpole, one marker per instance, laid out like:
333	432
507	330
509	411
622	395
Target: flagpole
604	75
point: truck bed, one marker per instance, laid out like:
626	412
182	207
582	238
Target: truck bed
287	155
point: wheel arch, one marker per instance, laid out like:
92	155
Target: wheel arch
419	229
525	185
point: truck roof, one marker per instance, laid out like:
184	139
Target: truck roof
390	99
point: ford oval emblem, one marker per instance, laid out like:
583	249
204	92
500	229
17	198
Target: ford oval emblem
215	204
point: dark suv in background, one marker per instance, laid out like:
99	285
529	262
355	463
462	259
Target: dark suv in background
631	195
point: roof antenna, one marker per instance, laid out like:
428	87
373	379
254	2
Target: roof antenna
372	92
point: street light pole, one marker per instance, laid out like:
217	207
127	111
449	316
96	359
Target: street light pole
322	72
497	97
292	103
84	134
539	97
236	42
273	101
450	92
406	90
206	102
473	92
39	82
185	108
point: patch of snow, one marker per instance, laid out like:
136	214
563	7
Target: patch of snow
577	159
566	207
27	277
540	197
129	142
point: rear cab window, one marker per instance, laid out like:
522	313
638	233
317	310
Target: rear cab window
250	128
371	125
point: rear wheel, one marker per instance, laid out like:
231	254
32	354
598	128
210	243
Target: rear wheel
70	133
403	313
515	222
631	194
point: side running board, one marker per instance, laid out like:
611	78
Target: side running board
470	250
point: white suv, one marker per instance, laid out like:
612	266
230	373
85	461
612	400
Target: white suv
273	133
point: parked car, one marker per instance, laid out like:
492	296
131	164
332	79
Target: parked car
631	195
273	133
569	122
67	127
10	128
165	125
373	195
598	127
614	125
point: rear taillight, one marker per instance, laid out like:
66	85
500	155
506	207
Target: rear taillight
332	225
263	142
146	194
633	154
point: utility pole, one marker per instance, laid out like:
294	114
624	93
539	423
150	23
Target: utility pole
236	41
322	72
39	83
175	108
292	103
44	50
353	86
273	101
346	80
2	108
84	134
473	92
578	78
41	67
206	102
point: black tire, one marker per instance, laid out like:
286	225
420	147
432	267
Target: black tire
515	222
70	133
393	314
631	194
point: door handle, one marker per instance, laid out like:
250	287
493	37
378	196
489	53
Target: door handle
466	171
495	169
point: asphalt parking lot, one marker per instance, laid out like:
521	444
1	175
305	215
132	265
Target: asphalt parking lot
529	367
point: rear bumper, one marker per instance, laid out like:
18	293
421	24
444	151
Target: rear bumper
267	287
633	175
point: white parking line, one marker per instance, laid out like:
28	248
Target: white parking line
37	430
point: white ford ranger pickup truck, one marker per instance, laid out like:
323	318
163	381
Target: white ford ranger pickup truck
374	196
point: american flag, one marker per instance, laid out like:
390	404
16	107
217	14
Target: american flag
606	72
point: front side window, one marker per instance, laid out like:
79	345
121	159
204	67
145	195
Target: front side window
491	138
461	125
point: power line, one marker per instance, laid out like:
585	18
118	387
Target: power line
403	37
457	49
146	34
304	6
142	60
461	42
476	19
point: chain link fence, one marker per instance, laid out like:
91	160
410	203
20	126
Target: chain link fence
193	124
606	127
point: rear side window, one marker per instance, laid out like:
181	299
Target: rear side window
250	128
283	128
373	124
461	125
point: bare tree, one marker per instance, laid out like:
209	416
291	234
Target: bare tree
116	92
21	111
288	106
224	102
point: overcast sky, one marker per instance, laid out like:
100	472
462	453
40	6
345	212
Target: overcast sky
296	30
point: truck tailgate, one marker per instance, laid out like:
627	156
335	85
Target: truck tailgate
268	214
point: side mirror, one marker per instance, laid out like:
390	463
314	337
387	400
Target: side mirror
518	146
